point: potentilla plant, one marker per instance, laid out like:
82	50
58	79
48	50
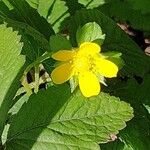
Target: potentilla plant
65	116
69	75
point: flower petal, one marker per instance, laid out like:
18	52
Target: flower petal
62	73
89	48
106	68
89	84
63	55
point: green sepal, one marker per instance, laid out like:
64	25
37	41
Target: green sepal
73	83
115	57
90	32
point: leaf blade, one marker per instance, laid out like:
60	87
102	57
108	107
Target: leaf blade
71	121
11	67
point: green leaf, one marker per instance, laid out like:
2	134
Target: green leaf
142	6
56	119
132	91
89	33
16	107
4	134
55	11
33	3
144	90
134	137
12	112
133	12
58	42
11	63
116	40
8	4
147	107
73	6
24	13
91	4
137	134
112	54
34	29
114	145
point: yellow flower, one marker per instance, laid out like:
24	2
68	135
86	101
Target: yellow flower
87	64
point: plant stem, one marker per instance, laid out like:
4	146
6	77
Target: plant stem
37	70
35	63
43	79
26	86
38	61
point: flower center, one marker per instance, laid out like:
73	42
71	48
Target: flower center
82	63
